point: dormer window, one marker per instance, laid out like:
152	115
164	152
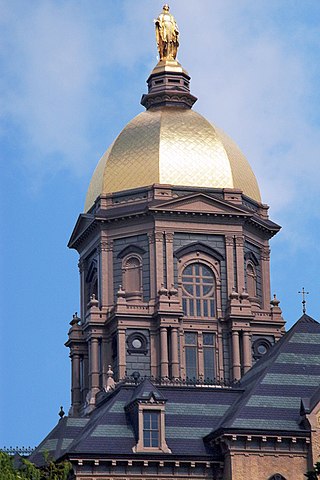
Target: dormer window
151	429
147	413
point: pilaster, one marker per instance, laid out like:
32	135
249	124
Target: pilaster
240	263
265	273
164	360
230	263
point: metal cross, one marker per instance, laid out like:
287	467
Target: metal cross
304	293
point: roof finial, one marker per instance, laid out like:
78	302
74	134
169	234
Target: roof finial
167	35
304	293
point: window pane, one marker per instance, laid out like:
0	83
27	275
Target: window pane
212	309
208	357
205	308
155	439
184	306
206	289
188	270
146	420
189	289
191	362
198	307
146	439
191	308
154	421
190	338
208	339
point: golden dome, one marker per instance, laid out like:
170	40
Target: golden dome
175	146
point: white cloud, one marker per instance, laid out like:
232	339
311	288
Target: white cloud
250	73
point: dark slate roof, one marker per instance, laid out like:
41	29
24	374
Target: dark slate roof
59	439
191	414
276	384
268	399
145	390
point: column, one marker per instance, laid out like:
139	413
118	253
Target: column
231	282
103	272
94	358
236	365
169	257
153	354
247	356
159	260
174	353
109	286
265	274
240	263
83	300
164	362
153	292
85	375
122	353
75	368
105	361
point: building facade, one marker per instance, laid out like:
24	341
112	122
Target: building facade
180	365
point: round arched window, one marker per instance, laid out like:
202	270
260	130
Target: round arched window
132	275
251	280
198	291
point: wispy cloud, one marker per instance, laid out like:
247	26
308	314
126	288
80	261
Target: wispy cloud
251	74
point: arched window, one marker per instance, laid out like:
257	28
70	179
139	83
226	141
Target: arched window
92	281
251	280
198	291
132	274
277	476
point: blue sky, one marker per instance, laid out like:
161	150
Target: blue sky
72	75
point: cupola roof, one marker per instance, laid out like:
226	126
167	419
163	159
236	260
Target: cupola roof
170	143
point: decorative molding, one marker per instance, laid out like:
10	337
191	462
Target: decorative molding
265	253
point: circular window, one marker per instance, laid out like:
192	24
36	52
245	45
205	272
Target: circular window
260	347
137	343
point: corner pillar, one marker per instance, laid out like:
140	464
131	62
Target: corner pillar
174	353
231	281
265	273
240	263
164	361
169	259
159	280
247	356
236	365
75	390
122	353
94	357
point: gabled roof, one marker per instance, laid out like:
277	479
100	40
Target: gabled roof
145	391
267	401
275	385
190	414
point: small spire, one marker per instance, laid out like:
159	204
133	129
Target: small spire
61	413
110	381
304	301
275	302
75	319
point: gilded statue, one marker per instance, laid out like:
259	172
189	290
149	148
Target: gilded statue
167	34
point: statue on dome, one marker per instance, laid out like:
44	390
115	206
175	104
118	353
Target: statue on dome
167	34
